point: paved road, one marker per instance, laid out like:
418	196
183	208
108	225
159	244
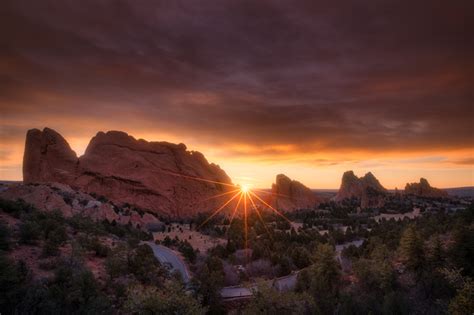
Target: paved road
168	256
235	292
340	248
346	264
281	284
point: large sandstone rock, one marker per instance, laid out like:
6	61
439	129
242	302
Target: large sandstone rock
367	189
48	157
291	195
424	189
161	177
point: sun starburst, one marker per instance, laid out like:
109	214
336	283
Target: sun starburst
247	199
244	188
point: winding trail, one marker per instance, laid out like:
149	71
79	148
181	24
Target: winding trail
169	257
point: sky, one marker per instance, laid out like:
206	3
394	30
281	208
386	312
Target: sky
304	88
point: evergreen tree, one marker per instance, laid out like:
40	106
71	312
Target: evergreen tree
411	249
171	300
267	300
322	278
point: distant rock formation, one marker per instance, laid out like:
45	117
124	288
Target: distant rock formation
291	195
367	189
158	176
424	189
55	196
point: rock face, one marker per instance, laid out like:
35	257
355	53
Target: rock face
54	196
161	177
424	189
48	157
367	189
290	195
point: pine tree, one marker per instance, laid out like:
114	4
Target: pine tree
411	249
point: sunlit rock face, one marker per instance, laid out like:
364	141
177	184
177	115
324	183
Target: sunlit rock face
424	189
367	189
290	195
157	176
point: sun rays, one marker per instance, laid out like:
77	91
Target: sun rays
246	200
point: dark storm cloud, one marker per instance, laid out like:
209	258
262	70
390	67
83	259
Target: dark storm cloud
368	75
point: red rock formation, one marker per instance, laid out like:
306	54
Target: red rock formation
157	176
291	195
48	157
367	189
54	196
424	189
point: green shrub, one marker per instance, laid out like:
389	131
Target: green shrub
30	232
75	290
116	263
100	249
187	250
139	262
50	248
15	208
144	265
126	231
4	236
12	283
48	264
94	244
58	235
86	225
170	300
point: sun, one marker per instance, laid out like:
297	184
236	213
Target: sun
244	188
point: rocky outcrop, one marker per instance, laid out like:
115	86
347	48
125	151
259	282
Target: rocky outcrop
367	189
291	195
162	177
48	157
424	189
55	196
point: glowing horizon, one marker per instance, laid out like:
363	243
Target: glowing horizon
392	171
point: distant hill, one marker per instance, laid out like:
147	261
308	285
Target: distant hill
461	191
8	182
325	193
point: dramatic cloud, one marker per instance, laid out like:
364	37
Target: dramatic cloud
255	80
